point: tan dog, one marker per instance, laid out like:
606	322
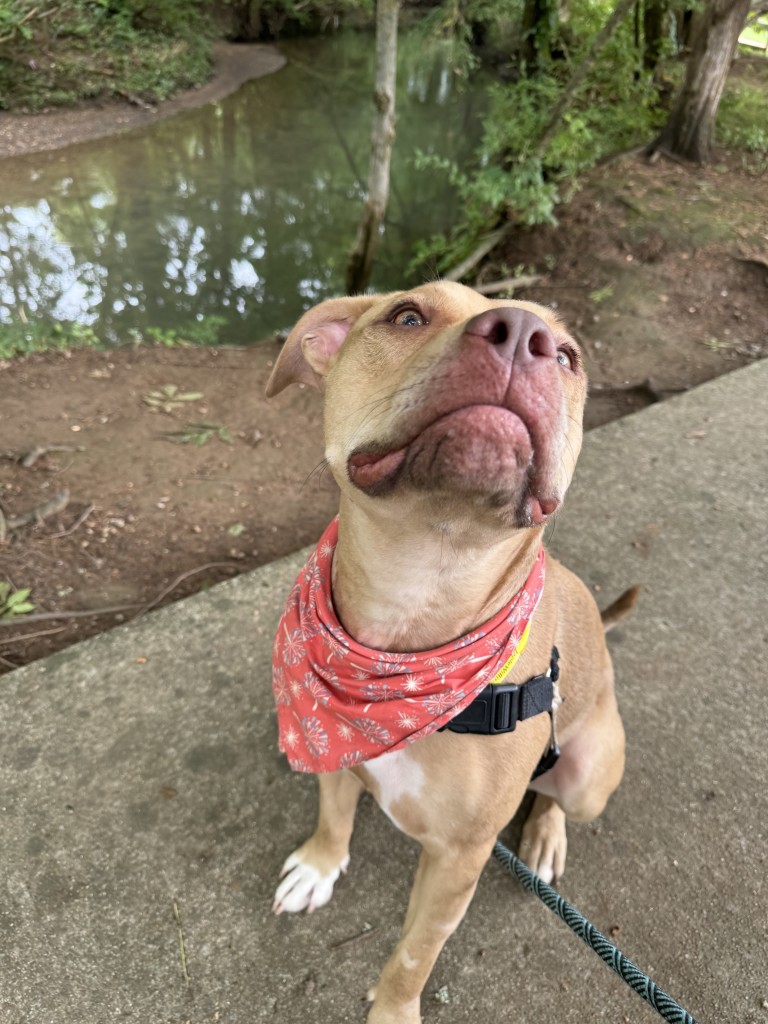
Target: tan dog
452	426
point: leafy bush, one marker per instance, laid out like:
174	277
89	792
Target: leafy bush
516	179
21	338
74	49
24	337
742	118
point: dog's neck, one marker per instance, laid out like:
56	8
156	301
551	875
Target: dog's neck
399	586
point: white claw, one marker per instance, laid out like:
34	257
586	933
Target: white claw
303	887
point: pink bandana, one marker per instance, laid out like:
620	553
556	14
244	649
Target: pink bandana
339	703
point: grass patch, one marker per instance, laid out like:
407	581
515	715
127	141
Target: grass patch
25	337
742	118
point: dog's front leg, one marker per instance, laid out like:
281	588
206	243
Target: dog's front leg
445	882
309	874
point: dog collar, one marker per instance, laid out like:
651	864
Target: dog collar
500	706
340	703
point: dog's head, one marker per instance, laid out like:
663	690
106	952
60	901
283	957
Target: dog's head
440	397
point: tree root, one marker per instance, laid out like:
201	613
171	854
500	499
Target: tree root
76	525
37	515
140	609
42	449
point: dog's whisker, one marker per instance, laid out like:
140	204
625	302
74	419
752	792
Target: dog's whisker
319	469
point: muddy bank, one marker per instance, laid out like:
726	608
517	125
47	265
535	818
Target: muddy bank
32	133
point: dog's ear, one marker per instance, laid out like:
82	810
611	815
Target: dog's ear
312	345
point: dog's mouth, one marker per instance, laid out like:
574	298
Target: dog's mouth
484	450
371	466
452	444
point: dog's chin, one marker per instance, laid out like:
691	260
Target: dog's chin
482	455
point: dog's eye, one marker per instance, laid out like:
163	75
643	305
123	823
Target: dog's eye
566	358
408	318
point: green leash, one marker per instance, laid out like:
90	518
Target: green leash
639	982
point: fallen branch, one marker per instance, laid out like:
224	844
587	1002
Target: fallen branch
488	243
180	579
354	938
80	613
655	152
84	613
509	284
76	526
137	101
37	515
42	449
32	636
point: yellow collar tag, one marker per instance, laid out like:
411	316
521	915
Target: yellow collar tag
506	668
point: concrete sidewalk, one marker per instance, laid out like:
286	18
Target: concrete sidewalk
140	780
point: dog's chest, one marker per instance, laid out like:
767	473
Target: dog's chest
395	779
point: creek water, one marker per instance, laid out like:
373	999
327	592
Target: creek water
244	209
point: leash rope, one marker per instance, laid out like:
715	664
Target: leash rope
629	972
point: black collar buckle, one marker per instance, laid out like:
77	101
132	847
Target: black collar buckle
494	710
498	709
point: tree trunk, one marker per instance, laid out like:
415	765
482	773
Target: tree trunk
383	135
714	34
655	31
537	34
683	19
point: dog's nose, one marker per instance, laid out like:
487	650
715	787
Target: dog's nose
516	334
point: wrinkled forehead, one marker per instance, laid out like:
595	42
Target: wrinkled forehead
446	302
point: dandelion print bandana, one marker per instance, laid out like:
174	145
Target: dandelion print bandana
340	703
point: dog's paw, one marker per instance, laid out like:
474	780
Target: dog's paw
544	842
400	1014
303	886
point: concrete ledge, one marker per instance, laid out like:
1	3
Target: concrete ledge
140	768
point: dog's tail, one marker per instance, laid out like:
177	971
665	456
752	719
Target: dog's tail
620	608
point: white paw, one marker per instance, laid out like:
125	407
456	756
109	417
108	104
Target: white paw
304	887
543	848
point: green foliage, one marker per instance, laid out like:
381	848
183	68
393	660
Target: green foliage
24	337
197	332
742	119
755	35
76	49
516	178
601	294
14	603
444	30
200	433
266	19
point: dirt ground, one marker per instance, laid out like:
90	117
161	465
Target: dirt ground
660	270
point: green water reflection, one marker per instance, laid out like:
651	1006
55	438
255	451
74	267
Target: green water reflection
244	209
